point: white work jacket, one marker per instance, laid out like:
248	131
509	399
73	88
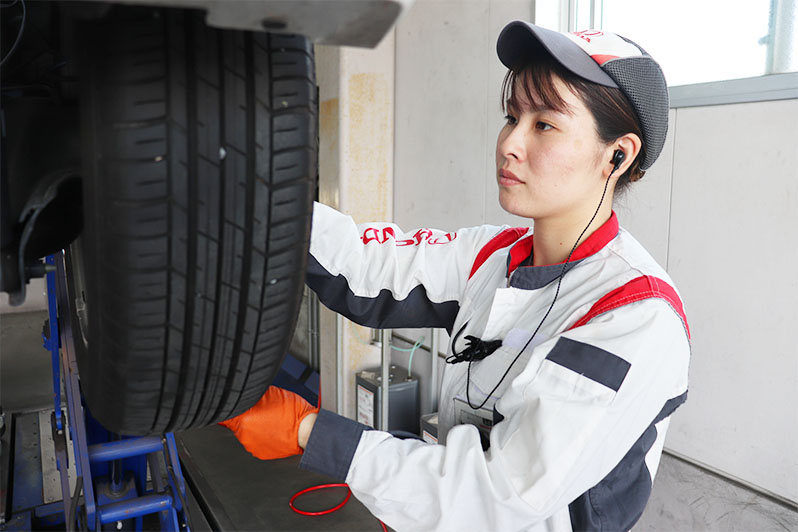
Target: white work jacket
573	432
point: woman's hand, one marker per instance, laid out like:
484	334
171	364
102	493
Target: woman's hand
277	426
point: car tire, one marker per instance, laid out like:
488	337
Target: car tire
199	154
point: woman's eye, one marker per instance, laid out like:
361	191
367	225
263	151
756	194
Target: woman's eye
543	126
510	120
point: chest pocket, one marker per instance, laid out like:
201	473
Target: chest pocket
486	374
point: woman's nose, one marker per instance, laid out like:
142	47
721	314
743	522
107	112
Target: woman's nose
512	145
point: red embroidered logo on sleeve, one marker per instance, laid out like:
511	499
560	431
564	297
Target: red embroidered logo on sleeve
381	236
373	234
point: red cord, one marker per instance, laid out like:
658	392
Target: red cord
329	511
320	487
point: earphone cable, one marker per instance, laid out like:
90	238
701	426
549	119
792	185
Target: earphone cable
556	294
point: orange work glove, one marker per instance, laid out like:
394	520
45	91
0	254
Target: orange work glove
269	429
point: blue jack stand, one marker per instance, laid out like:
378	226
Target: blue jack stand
111	486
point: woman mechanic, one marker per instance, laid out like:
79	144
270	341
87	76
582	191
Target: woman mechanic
569	347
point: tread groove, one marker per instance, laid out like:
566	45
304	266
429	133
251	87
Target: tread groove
167	329
213	356
191	233
249	209
269	192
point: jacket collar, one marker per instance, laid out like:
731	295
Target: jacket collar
534	277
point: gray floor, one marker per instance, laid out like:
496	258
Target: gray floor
688	498
685	497
26	383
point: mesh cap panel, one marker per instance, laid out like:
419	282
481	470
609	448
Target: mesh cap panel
641	80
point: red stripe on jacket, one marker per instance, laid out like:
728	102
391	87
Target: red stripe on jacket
638	289
518	254
502	240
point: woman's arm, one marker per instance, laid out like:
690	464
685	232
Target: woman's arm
379	276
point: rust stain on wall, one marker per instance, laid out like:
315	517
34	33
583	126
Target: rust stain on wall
370	145
329	141
361	352
328	122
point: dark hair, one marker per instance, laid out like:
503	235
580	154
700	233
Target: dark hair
611	110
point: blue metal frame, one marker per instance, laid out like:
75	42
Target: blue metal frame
53	342
75	411
94	447
116	450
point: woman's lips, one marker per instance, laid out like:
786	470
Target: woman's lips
508	179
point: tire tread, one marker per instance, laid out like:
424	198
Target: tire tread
188	241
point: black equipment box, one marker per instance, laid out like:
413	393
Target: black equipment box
403	407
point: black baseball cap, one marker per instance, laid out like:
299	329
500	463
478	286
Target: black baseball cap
604	58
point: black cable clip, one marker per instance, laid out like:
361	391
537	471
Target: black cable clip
476	349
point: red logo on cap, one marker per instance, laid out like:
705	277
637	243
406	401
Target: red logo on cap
603	58
587	34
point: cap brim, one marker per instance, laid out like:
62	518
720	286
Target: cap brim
521	42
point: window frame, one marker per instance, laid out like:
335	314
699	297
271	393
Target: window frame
767	87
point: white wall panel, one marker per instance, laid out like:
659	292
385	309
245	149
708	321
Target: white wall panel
733	253
645	208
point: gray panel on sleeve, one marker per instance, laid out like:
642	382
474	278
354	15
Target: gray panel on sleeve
383	311
593	362
332	445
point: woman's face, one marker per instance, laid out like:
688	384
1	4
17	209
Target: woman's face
549	164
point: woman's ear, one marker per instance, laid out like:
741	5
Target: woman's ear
630	145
